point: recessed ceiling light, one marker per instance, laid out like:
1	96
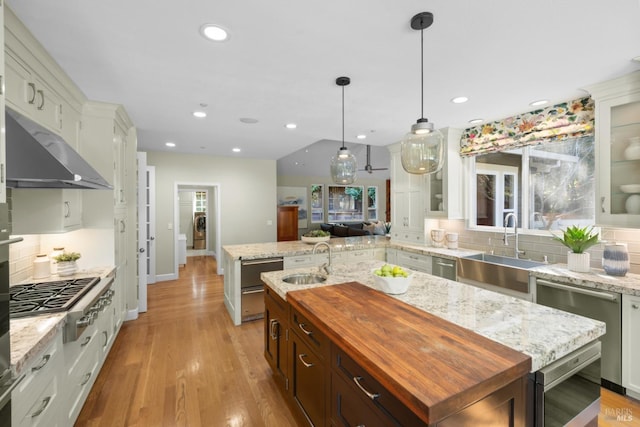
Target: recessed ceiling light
459	99
170	144
248	120
475	121
199	114
361	136
539	102
214	32
236	150
291	125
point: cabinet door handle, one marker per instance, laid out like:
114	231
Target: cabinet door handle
273	325
123	226
301	356
41	93
43	406
45	360
635	306
106	339
372	396
86	378
33	93
85	342
301	326
67	209
602	199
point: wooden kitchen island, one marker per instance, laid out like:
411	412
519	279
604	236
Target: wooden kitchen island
360	357
443	353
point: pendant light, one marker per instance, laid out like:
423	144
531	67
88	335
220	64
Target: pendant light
422	149
343	165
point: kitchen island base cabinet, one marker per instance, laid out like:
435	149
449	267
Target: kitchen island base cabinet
276	332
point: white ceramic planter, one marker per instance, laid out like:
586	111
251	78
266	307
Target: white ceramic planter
580	263
67	268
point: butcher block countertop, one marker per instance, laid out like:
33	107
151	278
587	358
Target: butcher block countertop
433	366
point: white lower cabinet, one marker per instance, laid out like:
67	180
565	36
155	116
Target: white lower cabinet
630	344
38	398
82	359
414	261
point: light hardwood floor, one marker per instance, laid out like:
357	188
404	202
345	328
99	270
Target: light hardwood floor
183	363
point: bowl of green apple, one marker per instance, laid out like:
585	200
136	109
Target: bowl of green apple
392	279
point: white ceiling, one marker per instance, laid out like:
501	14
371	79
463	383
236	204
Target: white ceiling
282	58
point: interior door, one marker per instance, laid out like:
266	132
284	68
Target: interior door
146	229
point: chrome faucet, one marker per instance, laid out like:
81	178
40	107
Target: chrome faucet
326	266
516	251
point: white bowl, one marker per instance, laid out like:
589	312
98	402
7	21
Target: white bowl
393	285
315	239
630	188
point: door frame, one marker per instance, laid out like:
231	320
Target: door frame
213	192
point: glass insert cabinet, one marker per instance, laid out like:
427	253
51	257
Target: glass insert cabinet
618	141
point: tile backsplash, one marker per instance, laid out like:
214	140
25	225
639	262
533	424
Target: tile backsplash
536	247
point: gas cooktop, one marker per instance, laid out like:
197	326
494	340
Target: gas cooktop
48	297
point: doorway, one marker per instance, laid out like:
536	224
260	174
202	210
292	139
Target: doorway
197	222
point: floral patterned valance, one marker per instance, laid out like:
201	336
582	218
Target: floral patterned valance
562	121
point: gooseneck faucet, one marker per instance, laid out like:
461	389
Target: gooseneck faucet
516	251
326	266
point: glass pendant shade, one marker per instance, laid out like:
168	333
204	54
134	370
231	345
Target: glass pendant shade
422	153
343	167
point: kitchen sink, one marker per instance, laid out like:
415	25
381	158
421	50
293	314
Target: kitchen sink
501	271
505	260
304	279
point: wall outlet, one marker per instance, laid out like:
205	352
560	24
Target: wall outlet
170	226
269	222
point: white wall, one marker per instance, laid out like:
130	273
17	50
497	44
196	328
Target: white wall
247	198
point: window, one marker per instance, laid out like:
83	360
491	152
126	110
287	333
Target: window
372	203
345	203
546	186
317	203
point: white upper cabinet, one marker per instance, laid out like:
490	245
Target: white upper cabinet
408	195
445	190
618	147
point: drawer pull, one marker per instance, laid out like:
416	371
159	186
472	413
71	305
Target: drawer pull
635	306
86	378
45	360
372	396
301	357
86	341
43	406
301	326
32	86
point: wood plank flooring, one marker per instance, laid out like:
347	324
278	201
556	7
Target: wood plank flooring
183	363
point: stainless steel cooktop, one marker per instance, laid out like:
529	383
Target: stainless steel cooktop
48	297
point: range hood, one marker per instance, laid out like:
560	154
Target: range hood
39	158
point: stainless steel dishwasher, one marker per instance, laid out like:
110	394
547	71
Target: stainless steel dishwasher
443	267
251	286
595	304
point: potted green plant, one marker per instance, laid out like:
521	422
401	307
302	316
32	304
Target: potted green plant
578	239
66	263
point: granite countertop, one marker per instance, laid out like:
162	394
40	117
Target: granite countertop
30	335
338	244
596	279
543	333
298	247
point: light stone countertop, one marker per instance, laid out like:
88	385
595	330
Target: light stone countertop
543	333
595	279
338	244
30	335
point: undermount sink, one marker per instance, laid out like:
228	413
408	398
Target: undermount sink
501	271
304	278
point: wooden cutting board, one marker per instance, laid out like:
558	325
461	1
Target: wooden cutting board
433	366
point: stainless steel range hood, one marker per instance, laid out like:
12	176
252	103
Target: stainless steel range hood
38	158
